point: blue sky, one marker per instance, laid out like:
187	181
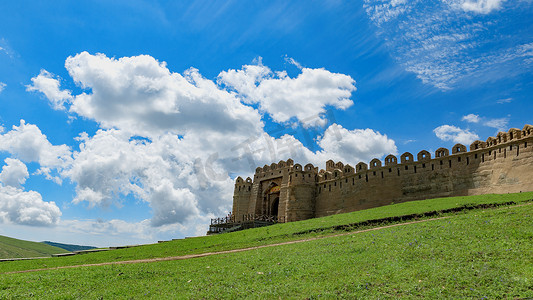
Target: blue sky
127	122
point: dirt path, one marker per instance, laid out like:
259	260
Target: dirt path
150	260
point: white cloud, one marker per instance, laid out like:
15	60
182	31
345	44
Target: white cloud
481	6
2	86
14	173
445	45
471	118
160	172
284	97
171	140
170	204
141	96
47	84
500	124
292	61
353	146
455	134
27	143
26	208
505	100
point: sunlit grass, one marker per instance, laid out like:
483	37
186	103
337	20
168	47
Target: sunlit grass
266	235
14	248
479	254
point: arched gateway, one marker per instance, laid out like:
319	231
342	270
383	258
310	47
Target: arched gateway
270	205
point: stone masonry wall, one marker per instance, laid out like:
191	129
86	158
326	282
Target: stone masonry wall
502	164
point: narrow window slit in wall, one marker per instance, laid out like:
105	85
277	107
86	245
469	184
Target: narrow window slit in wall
374	173
450	163
390	170
483	157
459	159
467	160
330	187
432	167
441	162
423	166
504	153
398	172
407	167
366	178
353	181
415	168
381	174
517	150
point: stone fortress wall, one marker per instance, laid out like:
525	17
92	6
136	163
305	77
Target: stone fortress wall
502	164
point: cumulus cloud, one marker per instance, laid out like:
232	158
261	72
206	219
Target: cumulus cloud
14	173
49	85
26	208
455	134
27	143
356	145
170	204
160	172
2	86
471	118
284	97
172	140
141	96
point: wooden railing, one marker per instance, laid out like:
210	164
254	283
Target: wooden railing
245	218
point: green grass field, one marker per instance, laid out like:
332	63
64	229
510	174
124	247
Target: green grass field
14	248
266	235
472	254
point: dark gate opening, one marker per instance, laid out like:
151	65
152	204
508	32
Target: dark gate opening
275	207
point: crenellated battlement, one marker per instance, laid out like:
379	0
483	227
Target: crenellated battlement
500	164
512	137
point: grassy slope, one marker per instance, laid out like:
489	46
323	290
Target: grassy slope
262	236
14	248
477	254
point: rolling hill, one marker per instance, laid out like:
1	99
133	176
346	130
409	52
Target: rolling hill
15	248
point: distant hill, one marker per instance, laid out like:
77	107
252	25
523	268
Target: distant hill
15	248
69	247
